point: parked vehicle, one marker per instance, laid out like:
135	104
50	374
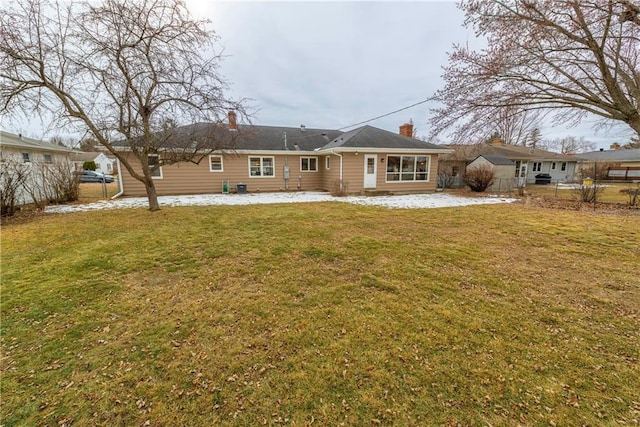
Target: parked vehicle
91	176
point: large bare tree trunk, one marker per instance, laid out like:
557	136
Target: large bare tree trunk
150	188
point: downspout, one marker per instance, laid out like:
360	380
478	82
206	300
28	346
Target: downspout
339	155
121	192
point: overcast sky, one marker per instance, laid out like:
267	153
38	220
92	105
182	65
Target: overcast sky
334	64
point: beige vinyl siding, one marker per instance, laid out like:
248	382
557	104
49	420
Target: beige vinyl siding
189	178
330	177
354	175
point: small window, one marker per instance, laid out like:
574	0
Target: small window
48	158
262	167
537	166
109	168
26	158
553	166
154	166
309	164
327	163
563	166
215	164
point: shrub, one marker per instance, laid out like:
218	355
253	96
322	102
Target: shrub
445	180
89	165
587	193
13	177
634	195
48	183
339	188
479	178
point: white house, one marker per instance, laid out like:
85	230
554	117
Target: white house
104	163
25	163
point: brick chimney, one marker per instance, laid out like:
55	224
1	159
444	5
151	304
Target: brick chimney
407	130
233	124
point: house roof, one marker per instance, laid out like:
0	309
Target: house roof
18	141
272	138
629	155
497	160
372	137
511	152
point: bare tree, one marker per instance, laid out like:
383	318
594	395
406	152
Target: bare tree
515	124
568	145
534	138
566	57
131	73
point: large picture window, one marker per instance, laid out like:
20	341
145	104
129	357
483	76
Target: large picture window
309	164
407	168
261	167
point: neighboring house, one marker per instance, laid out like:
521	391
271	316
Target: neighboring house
366	160
104	163
32	158
621	165
527	162
503	168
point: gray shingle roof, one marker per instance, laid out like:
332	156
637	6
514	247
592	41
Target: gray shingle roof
497	160
630	155
250	137
271	138
512	152
371	137
18	141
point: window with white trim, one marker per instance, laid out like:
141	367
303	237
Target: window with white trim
25	157
309	164
553	166
154	165
215	164
537	166
327	162
48	158
563	166
262	167
407	168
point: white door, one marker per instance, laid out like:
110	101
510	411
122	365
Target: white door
522	177
370	170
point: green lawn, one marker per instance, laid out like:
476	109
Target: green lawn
321	314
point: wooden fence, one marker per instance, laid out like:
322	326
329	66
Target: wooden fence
624	173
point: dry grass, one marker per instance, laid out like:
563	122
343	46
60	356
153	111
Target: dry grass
611	192
91	192
321	314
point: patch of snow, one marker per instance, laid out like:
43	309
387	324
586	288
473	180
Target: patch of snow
413	201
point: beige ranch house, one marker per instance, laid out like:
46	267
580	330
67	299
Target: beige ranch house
366	160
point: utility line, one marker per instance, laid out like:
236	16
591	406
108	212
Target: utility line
372	119
387	114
